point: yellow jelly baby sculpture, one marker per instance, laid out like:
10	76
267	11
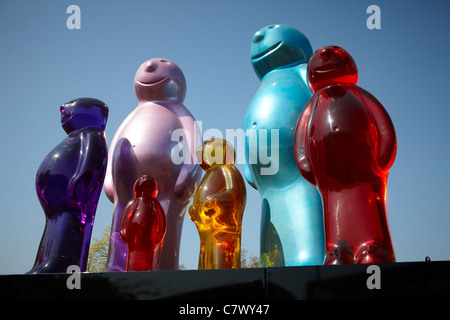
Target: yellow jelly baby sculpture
218	207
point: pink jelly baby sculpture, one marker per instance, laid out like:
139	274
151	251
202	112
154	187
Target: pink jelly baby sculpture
345	144
142	225
158	138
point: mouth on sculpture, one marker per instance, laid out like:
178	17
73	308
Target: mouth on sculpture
151	83
267	51
327	69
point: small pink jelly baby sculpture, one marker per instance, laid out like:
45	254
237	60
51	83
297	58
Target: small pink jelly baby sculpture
142	225
345	144
157	138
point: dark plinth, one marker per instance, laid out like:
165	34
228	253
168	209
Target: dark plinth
417	280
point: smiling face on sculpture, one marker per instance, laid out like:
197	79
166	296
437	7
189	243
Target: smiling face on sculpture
159	79
331	65
277	46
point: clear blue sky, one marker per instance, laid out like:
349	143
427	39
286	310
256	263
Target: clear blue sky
43	64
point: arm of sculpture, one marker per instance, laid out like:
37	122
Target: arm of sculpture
108	184
161	231
301	143
250	136
302	72
190	169
125	218
387	141
86	177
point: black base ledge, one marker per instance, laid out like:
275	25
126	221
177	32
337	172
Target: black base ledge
403	280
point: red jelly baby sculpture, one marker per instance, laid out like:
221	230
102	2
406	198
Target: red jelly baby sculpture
345	144
142	225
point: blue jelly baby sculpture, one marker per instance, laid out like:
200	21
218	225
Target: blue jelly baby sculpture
291	218
68	184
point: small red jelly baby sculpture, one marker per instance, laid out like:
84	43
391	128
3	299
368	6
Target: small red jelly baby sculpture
218	207
142	225
345	144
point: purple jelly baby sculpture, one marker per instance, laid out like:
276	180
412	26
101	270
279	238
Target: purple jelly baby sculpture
158	138
69	183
